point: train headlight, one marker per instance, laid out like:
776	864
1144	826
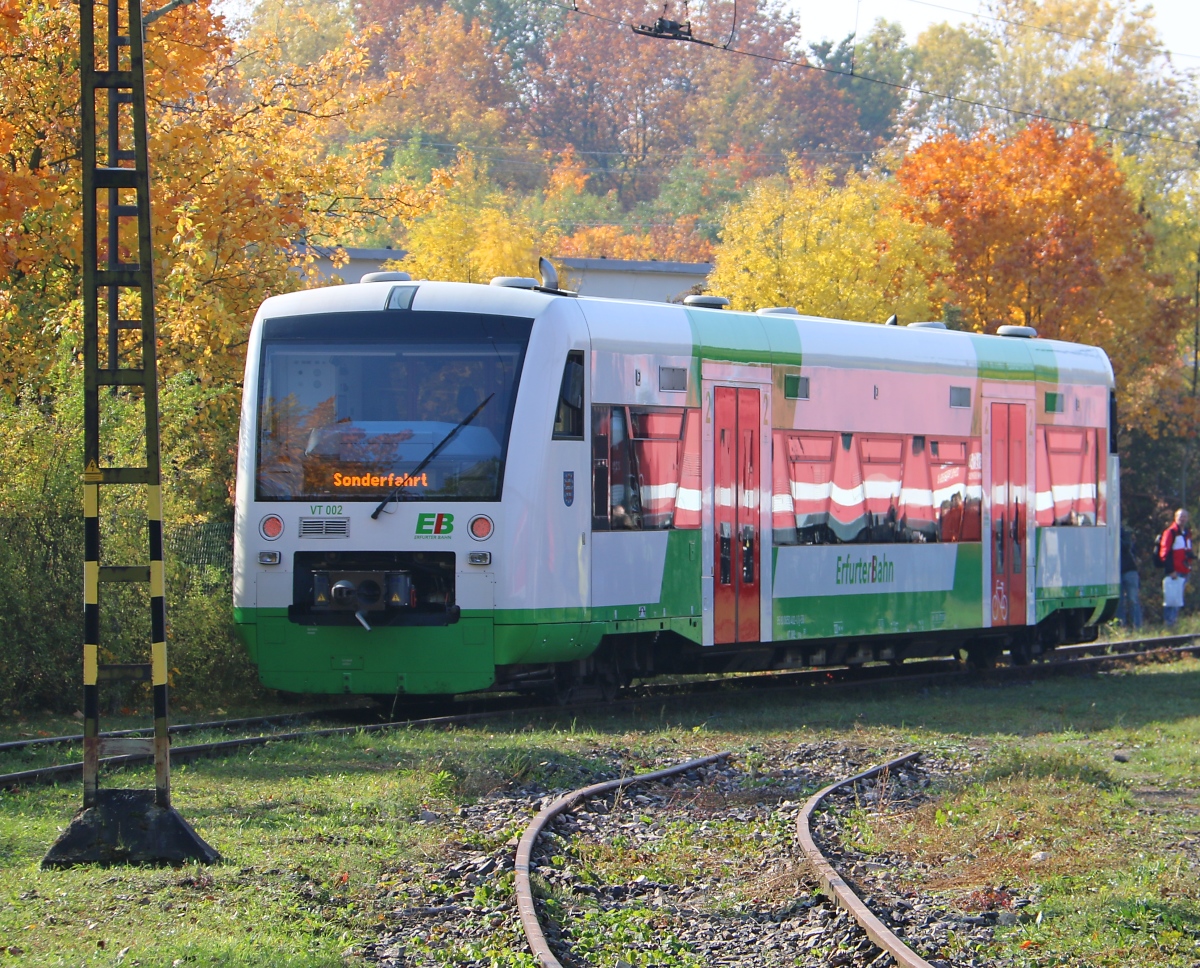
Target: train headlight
271	527
480	527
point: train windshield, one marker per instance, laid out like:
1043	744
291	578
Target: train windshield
353	405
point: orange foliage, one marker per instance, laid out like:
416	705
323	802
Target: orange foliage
676	241
455	88
1044	233
568	176
239	168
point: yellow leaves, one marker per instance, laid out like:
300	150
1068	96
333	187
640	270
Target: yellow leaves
241	165
471	231
846	252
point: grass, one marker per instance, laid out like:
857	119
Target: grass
321	839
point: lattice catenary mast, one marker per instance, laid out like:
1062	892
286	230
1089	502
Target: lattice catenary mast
120	826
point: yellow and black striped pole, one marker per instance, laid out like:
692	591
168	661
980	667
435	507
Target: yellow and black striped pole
120	825
91	635
158	647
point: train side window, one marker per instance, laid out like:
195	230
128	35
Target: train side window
601	431
956	489
645	476
1070	470
616	487
838	488
568	421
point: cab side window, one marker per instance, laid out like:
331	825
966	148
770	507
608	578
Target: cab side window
568	420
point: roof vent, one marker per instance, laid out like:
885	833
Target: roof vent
932	324
779	311
388	276
706	302
548	272
1023	332
515	282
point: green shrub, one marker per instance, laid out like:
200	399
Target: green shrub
41	550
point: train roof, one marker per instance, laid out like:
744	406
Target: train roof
621	325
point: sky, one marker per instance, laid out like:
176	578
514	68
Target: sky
1178	20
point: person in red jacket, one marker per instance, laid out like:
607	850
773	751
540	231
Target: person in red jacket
1175	552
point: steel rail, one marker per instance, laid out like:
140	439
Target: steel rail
776	677
68	770
19	744
837	888
785	680
523	865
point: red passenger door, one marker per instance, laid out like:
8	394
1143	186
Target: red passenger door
736	580
1010	522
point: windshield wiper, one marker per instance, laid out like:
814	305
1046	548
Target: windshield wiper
411	475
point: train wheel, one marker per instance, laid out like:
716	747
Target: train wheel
563	689
607	675
982	656
1020	653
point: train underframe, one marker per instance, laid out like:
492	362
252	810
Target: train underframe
620	659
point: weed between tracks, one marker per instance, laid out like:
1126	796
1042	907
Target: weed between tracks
1098	819
325	841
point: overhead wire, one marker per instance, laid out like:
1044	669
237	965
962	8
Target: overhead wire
908	88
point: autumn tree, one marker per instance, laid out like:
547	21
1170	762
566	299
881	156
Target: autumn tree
845	251
881	55
241	169
702	184
675	241
298	32
764	102
616	97
1044	233
516	26
472	231
1099	62
456	88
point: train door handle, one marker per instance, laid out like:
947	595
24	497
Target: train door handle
725	552
1016	539
747	538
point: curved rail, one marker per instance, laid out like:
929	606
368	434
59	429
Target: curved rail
529	922
837	888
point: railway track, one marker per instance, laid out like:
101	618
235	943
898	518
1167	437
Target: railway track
1081	659
839	930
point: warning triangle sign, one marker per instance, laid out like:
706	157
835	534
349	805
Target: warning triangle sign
91	473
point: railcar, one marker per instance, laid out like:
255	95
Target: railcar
446	487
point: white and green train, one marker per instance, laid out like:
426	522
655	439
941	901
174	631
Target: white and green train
446	487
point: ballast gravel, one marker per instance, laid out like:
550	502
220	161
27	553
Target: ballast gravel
751	900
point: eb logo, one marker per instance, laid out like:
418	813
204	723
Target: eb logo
439	524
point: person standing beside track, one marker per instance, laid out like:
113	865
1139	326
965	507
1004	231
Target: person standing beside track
1129	606
1175	553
